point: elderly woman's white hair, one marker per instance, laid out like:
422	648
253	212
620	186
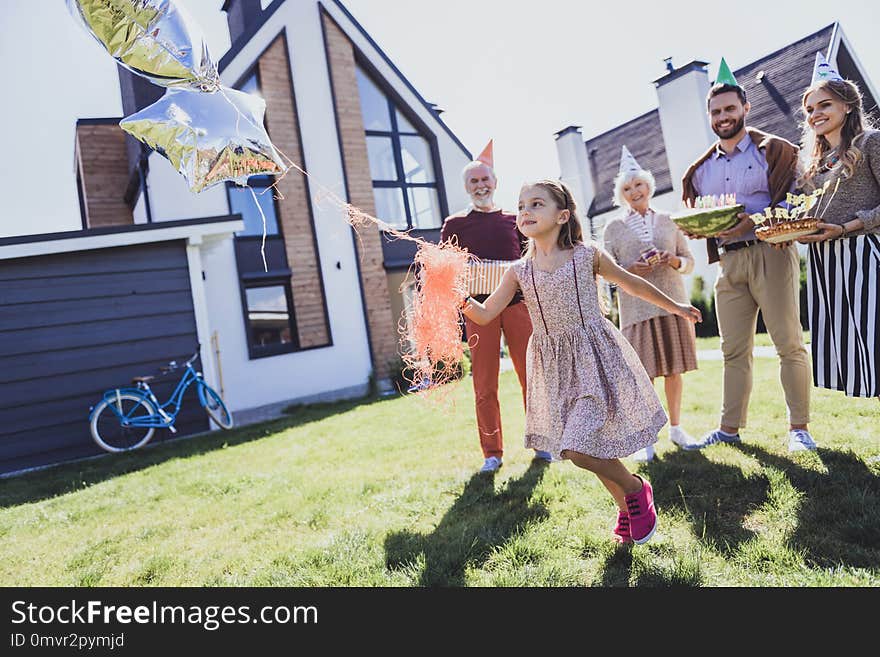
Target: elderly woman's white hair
625	177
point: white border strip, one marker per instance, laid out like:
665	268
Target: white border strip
89	242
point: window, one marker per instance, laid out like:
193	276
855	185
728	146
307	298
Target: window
241	201
401	162
269	320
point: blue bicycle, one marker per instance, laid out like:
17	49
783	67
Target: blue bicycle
127	418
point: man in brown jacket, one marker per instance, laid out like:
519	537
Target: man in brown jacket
760	169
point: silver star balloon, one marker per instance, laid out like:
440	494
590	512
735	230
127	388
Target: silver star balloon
208	137
157	39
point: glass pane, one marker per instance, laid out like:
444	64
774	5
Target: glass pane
268	315
403	125
425	207
416	155
374	105
389	206
381	153
241	202
250	86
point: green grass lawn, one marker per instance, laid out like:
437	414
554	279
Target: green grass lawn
384	493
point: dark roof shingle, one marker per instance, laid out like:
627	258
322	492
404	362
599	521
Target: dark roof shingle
644	139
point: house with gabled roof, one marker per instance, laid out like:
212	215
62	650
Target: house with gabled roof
668	139
153	270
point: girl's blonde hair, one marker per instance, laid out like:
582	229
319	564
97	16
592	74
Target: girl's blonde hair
571	232
624	177
815	148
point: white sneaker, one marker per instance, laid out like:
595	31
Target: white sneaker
800	440
491	464
644	455
680	437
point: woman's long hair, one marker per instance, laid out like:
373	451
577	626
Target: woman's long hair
815	149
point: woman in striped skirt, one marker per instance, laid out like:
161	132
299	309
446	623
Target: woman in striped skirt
844	273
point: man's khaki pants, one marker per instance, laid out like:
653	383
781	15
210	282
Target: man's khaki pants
752	278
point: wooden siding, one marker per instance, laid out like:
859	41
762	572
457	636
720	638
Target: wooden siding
73	325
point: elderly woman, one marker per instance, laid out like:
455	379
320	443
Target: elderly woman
647	243
844	277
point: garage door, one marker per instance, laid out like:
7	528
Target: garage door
75	324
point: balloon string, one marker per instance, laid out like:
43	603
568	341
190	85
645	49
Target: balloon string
263	244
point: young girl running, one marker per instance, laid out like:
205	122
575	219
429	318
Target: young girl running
588	399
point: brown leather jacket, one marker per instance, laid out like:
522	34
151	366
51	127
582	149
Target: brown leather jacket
781	157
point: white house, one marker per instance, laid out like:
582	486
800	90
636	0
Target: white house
154	269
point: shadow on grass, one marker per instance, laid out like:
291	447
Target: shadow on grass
617	569
716	497
70	477
479	521
839	515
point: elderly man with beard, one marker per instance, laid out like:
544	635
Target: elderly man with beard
489	233
760	169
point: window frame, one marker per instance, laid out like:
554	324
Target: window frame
257	351
270	181
395	105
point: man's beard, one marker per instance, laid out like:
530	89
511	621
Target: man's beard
730	132
484	203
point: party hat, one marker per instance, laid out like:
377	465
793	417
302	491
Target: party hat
628	163
822	70
486	156
724	75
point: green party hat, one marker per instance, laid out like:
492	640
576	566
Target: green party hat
724	75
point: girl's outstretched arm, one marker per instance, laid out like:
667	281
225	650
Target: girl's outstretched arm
483	313
638	287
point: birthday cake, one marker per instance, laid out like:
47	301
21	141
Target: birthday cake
779	224
786	231
709	215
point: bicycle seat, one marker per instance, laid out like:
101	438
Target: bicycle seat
142	379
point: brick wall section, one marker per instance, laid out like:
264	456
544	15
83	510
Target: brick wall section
295	210
383	327
103	166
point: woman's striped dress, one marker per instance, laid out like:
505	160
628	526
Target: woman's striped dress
844	278
844	289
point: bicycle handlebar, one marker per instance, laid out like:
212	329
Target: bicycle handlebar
173	365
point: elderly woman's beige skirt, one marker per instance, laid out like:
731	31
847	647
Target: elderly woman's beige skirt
666	344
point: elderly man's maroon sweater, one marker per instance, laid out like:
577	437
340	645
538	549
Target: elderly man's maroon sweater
487	235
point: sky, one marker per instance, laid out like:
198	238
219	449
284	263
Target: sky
512	71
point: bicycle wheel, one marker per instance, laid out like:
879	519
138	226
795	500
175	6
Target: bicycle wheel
214	406
107	427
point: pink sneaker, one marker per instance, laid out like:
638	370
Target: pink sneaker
621	530
642	515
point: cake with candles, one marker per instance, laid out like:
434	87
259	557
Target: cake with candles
785	224
709	215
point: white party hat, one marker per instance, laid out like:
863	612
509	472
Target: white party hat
628	163
822	70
